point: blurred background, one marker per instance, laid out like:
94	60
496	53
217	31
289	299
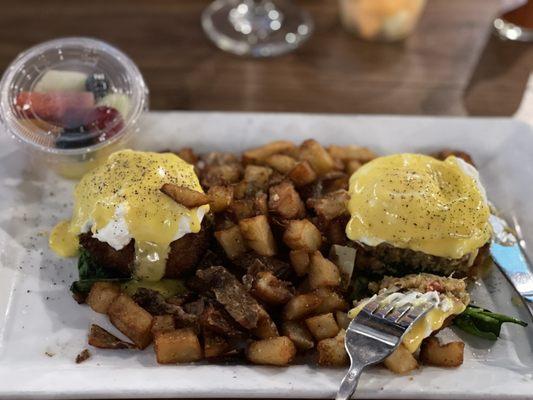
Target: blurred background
452	63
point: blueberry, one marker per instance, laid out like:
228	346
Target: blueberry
98	84
73	140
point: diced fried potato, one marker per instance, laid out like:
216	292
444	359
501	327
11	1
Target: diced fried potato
266	328
302	234
401	361
101	296
432	352
299	261
335	231
299	334
178	346
322	272
318	157
331	301
99	337
214	345
261	153
285	201
257	176
131	319
187	154
281	162
258	235
221	175
330	206
261	203
352	152
352	166
302	174
242	209
267	287
220	198
185	196
331	352
231	241
277	351
301	306
342	319
322	326
163	323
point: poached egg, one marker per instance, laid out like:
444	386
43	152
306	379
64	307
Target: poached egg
417	202
121	201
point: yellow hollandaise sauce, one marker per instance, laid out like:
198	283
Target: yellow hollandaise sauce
121	200
417	202
431	322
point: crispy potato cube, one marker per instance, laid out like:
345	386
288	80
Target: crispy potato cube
231	241
285	201
342	319
352	152
302	174
257	176
332	205
220	197
163	323
261	203
352	166
401	361
322	272
299	261
261	153
331	301
268	288
281	162
302	234
185	196
266	328
101	296
299	334
132	320
432	352
277	351
331	351
99	337
243	208
318	157
178	346
187	154
214	345
258	235
300	306
221	175
322	326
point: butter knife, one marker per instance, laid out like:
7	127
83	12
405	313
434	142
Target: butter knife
508	255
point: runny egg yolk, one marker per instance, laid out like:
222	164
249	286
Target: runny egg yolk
417	202
432	321
125	193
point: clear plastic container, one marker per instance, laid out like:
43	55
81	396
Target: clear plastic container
70	102
381	20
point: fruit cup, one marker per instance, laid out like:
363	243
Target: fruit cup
71	102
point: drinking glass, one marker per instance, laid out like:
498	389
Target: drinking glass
258	28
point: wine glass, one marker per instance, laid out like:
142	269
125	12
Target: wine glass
258	28
517	23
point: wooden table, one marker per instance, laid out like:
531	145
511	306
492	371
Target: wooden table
452	65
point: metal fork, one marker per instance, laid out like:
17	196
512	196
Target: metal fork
375	333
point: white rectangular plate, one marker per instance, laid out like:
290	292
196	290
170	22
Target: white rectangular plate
42	328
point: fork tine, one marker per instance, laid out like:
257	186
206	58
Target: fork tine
374	304
414	314
385	309
399	312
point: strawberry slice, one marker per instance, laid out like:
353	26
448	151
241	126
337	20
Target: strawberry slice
104	120
52	106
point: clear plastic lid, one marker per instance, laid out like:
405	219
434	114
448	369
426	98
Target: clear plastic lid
71	96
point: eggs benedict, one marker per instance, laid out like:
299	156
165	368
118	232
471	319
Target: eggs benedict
124	220
448	294
415	213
